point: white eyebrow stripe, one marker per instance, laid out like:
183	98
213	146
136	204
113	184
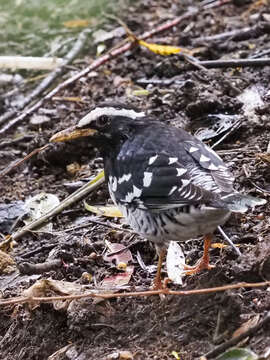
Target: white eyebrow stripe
108	111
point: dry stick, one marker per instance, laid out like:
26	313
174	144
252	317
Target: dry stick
50	78
102	60
252	330
27	157
102	295
211	64
239	34
77	195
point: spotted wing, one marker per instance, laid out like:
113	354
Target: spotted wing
211	168
157	182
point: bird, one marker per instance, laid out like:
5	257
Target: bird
169	185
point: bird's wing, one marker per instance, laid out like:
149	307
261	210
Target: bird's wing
210	165
158	182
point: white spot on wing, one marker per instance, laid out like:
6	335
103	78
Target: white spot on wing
147	178
172	190
204	158
172	160
132	195
193	149
185	182
152	159
180	171
125	177
108	111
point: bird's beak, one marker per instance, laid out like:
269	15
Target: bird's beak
72	133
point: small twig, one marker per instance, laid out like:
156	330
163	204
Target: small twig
229	241
252	330
165	291
239	34
10	142
193	61
211	64
48	80
103	59
27	157
29	269
102	223
77	195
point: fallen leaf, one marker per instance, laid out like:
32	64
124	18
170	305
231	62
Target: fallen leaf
238	354
120	355
175	263
9	213
162	49
141	92
246	325
7	264
50	287
117	280
123	257
39	205
218	246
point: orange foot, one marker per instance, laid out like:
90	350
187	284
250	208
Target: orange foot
203	263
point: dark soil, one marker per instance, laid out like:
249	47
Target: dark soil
150	328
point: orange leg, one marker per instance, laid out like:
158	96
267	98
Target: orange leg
203	262
157	281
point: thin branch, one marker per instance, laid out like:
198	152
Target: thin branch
49	79
27	157
229	241
234	341
74	197
238	34
211	64
105	58
103	295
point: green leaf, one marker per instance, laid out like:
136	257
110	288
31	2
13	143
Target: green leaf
238	354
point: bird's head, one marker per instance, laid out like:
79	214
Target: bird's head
107	123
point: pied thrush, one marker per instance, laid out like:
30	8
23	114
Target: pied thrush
168	184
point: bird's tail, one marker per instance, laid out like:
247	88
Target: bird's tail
240	203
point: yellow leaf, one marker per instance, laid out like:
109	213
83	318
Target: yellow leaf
161	49
218	246
141	92
76	23
109	211
68	98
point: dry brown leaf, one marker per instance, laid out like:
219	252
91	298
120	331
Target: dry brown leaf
246	325
7	264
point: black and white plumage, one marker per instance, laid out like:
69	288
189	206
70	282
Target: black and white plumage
168	184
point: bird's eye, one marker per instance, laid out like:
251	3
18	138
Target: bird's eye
103	120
